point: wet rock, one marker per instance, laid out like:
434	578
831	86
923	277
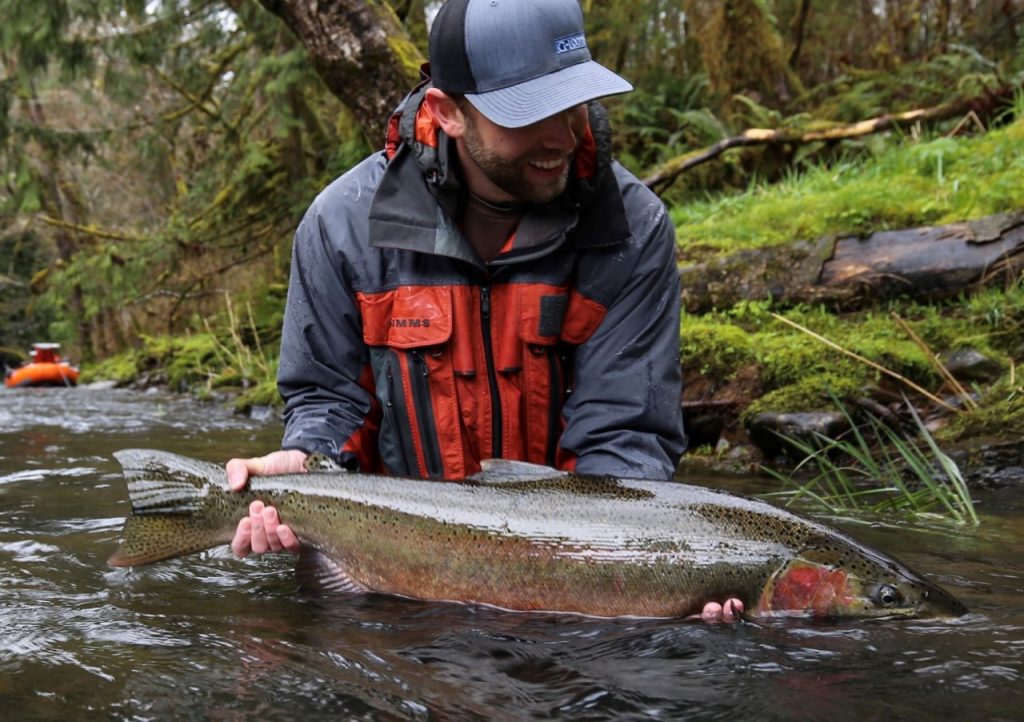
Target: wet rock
102	385
262	413
991	464
972	365
769	431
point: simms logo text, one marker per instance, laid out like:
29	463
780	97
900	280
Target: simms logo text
410	322
570	43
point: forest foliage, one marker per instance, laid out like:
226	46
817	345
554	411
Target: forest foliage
158	154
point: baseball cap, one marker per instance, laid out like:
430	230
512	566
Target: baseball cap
517	61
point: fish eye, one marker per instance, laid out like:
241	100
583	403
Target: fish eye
887	596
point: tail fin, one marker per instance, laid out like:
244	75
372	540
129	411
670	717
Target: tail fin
169	516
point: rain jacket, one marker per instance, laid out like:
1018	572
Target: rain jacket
404	353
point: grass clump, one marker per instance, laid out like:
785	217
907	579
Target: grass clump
876	469
1000	413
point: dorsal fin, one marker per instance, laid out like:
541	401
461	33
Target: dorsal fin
524	476
504	471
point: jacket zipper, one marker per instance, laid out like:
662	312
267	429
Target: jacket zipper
421	399
554	404
393	411
492	380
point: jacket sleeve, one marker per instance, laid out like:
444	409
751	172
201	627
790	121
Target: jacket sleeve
322	352
624	415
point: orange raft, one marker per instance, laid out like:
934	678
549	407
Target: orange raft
46	368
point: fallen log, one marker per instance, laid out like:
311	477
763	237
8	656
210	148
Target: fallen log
976	106
852	271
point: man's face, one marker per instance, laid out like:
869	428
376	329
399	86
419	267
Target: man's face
529	164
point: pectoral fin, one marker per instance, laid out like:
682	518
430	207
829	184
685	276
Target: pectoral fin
319	574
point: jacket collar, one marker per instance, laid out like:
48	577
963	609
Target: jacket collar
421	193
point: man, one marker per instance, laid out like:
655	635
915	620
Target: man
492	284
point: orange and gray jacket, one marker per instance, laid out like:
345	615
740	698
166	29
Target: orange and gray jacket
403	352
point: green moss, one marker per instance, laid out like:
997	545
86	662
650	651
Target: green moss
793	366
199	363
904	184
718	345
264	393
122	369
1000	414
188	359
787	357
717	350
811	393
410	56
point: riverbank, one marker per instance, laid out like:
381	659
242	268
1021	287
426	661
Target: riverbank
760	359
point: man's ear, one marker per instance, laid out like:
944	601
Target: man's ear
446	111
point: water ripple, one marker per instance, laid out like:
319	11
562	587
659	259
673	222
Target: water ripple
29	550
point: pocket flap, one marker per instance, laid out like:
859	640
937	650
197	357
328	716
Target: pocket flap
407	317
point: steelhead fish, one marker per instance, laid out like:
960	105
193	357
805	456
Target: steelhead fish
530	538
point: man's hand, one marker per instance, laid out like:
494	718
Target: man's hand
262	530
728	612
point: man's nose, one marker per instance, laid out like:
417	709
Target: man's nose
560	131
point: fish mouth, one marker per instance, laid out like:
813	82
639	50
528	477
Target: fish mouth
875	613
941	603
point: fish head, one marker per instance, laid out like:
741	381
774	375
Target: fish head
843	581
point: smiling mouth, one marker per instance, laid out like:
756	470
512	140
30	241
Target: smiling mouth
548	164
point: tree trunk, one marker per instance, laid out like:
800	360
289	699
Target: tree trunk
61	198
799	29
743	54
850	271
360	50
945	13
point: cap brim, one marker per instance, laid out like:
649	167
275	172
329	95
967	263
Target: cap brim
536	99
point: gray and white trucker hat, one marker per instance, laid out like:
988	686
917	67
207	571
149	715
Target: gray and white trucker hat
517	61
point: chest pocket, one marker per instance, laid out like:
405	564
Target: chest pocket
407	317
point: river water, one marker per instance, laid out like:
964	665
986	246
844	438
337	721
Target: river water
213	637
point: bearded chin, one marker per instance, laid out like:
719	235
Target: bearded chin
511	177
515	182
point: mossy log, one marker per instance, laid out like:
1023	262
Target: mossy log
850	271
